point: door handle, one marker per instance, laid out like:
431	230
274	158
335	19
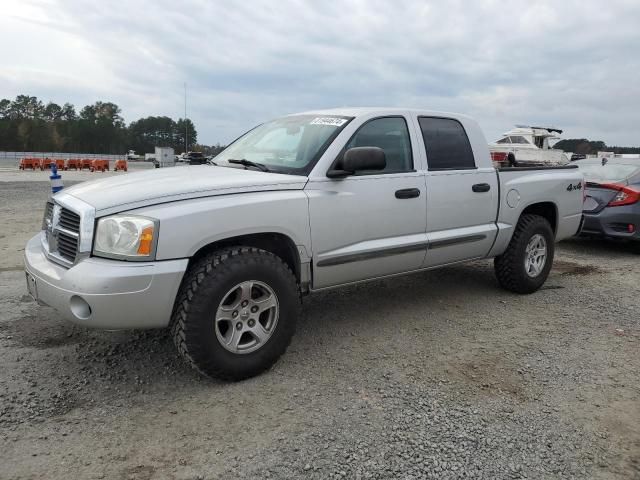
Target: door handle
407	193
481	187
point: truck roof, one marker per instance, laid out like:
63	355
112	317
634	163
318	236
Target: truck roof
360	111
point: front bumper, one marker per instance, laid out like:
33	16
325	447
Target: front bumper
612	222
119	295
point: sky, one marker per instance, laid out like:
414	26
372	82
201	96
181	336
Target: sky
570	64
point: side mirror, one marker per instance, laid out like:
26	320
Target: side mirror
357	159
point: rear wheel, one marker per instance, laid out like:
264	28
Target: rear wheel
527	261
236	312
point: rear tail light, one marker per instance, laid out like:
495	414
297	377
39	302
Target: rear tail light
499	157
625	196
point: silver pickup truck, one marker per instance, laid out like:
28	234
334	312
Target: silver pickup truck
222	253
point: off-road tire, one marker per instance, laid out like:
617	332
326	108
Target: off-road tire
202	290
509	267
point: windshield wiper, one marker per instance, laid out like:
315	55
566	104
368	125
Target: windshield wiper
249	163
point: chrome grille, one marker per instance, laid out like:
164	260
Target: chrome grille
48	211
69	220
62	233
67	246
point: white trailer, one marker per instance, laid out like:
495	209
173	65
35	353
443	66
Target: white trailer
164	157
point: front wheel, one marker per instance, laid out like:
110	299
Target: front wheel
527	261
236	312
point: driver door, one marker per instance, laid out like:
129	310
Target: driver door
373	223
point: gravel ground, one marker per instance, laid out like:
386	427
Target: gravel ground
436	375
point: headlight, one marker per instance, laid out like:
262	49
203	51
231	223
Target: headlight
126	237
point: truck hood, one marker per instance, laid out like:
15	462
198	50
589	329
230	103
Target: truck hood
150	187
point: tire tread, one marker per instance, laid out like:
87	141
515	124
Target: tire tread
507	265
213	265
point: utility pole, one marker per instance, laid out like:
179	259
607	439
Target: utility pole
186	125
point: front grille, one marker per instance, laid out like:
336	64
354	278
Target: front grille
62	232
48	211
67	246
69	220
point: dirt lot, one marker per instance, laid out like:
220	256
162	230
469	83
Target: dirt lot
436	375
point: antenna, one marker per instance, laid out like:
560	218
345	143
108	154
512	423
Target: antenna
186	125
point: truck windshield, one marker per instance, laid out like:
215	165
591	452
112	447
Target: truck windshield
290	144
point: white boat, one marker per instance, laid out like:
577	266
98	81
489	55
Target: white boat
528	146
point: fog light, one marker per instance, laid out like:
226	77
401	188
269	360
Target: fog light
631	228
79	307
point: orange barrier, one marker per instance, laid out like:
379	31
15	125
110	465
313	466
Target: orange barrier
72	163
101	165
86	163
31	163
45	163
120	165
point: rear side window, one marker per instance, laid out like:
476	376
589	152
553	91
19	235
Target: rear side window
518	139
391	135
447	145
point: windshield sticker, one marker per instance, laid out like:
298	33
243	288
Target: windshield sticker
330	121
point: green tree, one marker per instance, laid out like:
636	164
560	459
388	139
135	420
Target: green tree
68	113
52	112
27	124
580	145
5	107
150	132
25	106
185	129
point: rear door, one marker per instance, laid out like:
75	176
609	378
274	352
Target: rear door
371	224
462	199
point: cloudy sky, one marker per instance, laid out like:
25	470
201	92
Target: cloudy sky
572	64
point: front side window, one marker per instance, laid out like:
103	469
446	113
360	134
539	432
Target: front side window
391	135
286	145
447	145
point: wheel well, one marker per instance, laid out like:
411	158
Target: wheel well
276	243
546	210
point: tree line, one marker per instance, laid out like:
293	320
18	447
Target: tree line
28	125
587	147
